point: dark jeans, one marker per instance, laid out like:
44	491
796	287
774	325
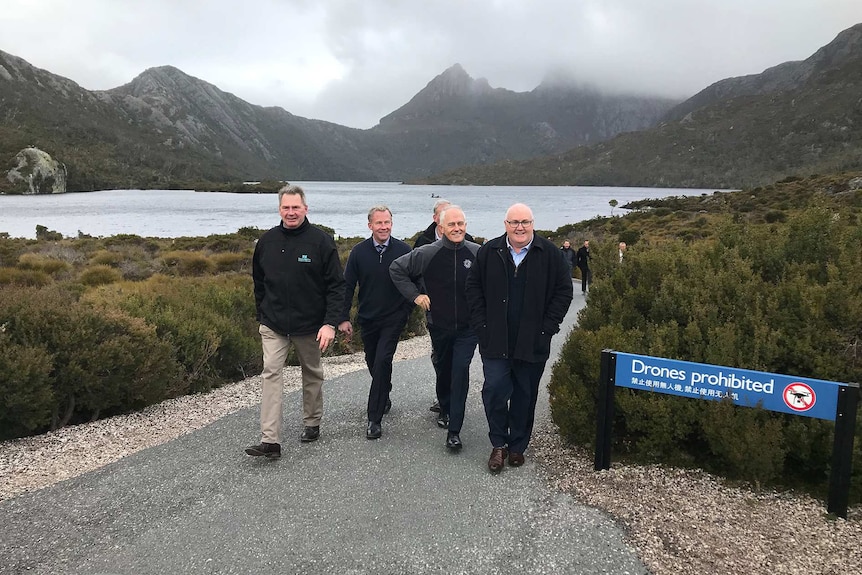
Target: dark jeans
380	338
453	352
510	393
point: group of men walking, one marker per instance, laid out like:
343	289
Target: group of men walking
507	296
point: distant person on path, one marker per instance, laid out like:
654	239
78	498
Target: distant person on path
519	292
431	234
382	311
433	276
622	251
583	263
569	255
298	293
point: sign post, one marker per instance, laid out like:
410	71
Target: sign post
802	396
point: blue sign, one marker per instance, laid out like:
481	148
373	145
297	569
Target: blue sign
775	392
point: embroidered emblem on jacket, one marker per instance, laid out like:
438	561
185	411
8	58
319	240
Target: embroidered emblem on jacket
304	259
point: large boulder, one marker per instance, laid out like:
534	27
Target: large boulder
36	172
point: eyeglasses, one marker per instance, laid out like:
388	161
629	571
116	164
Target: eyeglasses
516	223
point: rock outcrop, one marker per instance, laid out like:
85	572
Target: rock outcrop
36	172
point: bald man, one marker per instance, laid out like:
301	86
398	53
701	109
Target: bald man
519	290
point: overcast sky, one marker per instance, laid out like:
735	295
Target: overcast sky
354	61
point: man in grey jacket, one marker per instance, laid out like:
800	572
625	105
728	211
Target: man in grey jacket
433	276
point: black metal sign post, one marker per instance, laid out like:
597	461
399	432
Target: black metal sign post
842	450
605	410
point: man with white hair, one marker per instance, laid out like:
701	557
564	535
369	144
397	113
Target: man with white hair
433	276
431	234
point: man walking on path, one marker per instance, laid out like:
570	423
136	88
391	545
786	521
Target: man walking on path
433	276
431	234
298	292
583	262
519	292
569	255
382	312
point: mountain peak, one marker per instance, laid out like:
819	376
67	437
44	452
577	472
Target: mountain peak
455	81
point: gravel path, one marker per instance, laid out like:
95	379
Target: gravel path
680	521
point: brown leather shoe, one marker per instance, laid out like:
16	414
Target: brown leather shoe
498	456
516	459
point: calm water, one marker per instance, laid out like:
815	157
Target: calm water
340	205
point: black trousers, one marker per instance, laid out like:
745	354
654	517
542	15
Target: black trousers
380	338
453	352
586	278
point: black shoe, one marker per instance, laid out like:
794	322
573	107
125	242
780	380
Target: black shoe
443	420
388	407
453	441
373	431
310	434
268	450
435	407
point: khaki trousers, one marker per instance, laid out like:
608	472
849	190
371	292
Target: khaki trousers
275	348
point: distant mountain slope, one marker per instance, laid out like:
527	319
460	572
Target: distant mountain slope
457	120
168	129
794	119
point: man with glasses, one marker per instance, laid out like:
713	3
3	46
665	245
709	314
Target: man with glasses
433	276
519	290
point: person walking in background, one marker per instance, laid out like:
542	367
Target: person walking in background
583	263
298	293
519	292
622	250
431	234
433	276
569	255
382	313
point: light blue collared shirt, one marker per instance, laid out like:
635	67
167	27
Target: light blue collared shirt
519	257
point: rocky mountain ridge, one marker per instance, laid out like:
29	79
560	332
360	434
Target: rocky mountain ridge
794	119
168	129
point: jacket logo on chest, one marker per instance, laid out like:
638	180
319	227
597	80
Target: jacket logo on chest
468	264
304	259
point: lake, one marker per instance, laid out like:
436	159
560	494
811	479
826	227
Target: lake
343	206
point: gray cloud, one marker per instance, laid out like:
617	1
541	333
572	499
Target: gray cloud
354	62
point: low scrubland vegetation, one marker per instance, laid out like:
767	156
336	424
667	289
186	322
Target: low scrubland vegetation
93	327
768	279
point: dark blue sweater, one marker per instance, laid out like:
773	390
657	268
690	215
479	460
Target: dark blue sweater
378	296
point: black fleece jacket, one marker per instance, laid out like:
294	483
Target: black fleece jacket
439	270
298	284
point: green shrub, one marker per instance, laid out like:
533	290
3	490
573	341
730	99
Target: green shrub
38	262
99	275
186	263
231	262
102	361
782	298
14	276
26	398
106	258
209	323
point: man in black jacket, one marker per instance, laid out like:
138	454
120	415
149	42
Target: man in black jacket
583	262
433	276
431	234
298	292
382	312
519	291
